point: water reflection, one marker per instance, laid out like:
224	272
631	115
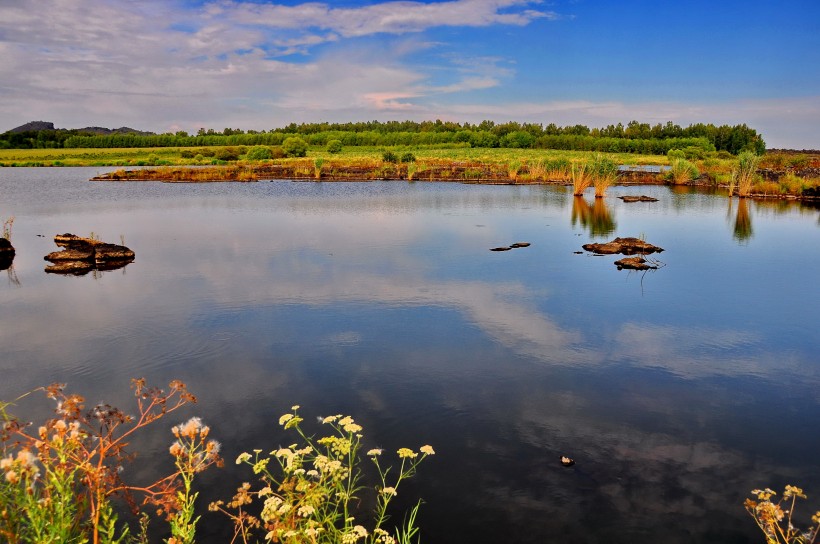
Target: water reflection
596	218
742	231
382	301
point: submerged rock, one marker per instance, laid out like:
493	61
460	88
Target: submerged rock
634	263
641	198
6	254
624	246
82	255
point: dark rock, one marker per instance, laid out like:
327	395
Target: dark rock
641	198
625	246
72	268
82	255
520	244
500	249
634	263
5	246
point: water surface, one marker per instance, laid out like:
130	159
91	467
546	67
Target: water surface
677	390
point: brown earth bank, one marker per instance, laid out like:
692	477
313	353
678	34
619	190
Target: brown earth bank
457	171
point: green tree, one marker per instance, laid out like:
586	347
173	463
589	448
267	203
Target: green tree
295	147
334	146
259	153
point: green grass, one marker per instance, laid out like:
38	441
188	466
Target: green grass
172	155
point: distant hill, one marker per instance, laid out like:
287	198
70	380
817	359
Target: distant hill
36	126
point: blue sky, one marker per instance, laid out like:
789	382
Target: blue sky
180	64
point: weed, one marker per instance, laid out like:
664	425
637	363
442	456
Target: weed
513	169
775	519
317	167
314	490
59	480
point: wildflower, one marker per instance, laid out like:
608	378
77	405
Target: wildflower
12	477
6	462
285	418
306	510
176	449
242	458
190	428
347	420
407	453
352	428
374	452
427	450
265	491
294	407
389	491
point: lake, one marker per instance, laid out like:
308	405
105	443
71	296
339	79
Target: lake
676	390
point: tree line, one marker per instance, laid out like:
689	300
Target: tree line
634	137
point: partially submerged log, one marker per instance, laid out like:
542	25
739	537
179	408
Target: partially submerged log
82	255
640	198
624	246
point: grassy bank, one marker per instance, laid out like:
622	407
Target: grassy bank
778	175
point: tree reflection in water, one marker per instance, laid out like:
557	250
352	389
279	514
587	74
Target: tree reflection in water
596	217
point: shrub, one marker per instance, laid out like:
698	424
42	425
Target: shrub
334	146
294	147
674	154
408	157
389	156
227	154
259	153
187	154
207	152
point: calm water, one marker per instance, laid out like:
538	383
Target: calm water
677	391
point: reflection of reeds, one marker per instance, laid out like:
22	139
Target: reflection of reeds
581	178
744	175
597	218
743	222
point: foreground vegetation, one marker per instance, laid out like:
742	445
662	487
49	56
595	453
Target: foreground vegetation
62	482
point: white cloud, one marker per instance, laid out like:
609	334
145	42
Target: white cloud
386	17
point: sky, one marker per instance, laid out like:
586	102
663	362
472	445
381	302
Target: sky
169	65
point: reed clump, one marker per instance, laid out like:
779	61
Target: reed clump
682	171
7	226
581	176
745	173
604	173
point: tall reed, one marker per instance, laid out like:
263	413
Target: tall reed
604	173
581	176
7	224
744	175
682	171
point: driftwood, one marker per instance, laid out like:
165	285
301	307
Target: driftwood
641	198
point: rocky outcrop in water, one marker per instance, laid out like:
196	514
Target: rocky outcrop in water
82	255
6	254
635	263
624	246
641	198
